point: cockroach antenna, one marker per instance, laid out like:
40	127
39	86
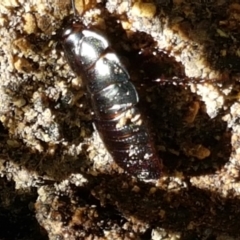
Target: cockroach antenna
74	8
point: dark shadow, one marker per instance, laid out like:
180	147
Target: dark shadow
181	139
170	107
17	214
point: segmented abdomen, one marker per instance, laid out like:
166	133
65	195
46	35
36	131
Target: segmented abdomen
114	101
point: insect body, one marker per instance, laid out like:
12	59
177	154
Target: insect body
113	98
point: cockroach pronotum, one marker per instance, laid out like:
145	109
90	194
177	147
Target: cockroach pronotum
113	98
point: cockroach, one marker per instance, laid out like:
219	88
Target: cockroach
113	98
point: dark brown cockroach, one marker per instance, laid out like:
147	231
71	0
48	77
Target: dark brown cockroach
113	98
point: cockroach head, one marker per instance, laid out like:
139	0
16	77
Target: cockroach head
70	25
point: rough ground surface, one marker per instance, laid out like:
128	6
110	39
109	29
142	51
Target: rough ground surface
57	180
